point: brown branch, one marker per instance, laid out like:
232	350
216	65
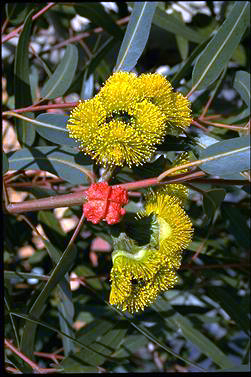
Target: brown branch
81	36
42	107
20	28
31	363
78	198
222	125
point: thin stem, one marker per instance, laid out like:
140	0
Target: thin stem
194	163
33	365
42	107
196	124
81	36
75	232
20	28
78	198
222	125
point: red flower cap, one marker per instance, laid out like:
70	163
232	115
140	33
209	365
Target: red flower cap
105	203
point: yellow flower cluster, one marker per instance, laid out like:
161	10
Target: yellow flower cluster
140	274
129	116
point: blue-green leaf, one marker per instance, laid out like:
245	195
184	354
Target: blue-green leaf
64	162
231	156
242	85
205	345
95	12
60	81
56	131
175	25
25	132
219	50
136	35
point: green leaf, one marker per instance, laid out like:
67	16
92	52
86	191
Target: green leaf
212	199
56	130
230	302
25	132
231	156
242	85
99	55
216	55
83	270
64	296
187	64
174	25
236	369
63	266
104	346
136	35
5	163
64	162
237	225
95	12
206	346
61	79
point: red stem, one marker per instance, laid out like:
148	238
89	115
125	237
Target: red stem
20	28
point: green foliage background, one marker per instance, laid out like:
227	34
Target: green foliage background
202	324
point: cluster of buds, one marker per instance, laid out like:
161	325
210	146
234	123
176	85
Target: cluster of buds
105	202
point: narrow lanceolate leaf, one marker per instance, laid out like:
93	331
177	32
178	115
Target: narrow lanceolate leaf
22	89
63	76
204	345
242	85
64	162
216	55
62	267
230	156
136	35
175	25
56	131
95	12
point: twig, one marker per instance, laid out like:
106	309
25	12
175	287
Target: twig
81	36
78	198
222	125
42	107
20	28
33	365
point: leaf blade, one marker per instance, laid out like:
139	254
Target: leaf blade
232	152
242	85
136	35
216	55
64	162
61	79
25	132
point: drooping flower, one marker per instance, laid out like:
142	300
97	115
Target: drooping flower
171	227
105	203
137	275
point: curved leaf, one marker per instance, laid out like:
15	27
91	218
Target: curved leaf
25	132
56	131
62	77
216	55
136	35
175	25
195	336
233	154
95	12
242	85
64	162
